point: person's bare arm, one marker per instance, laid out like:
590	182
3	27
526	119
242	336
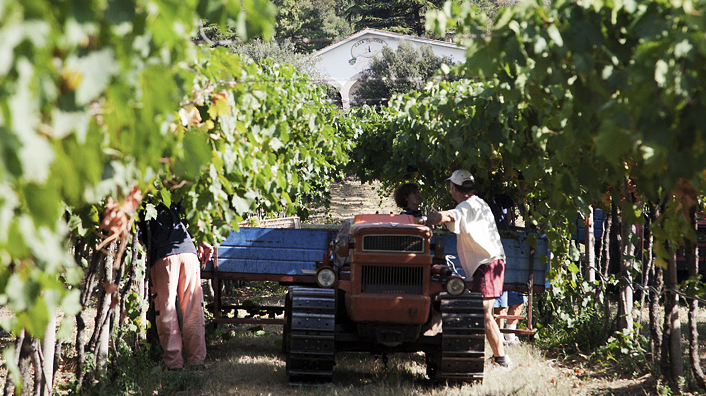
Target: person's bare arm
439	218
204	251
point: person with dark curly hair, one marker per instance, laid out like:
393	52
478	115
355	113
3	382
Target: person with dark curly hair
407	197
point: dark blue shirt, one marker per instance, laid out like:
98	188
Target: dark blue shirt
500	205
413	212
165	235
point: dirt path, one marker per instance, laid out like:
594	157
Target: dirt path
351	197
251	364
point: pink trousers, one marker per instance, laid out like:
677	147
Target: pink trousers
179	276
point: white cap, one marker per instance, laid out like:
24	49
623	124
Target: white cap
460	176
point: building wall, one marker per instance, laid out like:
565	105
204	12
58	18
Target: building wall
344	62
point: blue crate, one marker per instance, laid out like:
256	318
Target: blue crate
277	251
517	253
598	218
280	251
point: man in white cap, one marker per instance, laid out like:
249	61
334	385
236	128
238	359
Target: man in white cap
480	250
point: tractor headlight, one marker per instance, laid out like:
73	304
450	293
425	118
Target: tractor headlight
455	286
326	277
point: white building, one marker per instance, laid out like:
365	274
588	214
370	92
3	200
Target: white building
343	62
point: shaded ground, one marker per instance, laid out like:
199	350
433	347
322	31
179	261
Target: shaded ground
252	354
247	360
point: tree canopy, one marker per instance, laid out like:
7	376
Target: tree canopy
595	104
398	72
399	16
312	24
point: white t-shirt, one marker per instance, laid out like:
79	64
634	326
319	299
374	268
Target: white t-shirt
478	240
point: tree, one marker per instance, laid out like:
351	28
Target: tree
311	24
280	53
399	16
398	72
308	24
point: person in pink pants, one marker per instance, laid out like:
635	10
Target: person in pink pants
177	277
175	273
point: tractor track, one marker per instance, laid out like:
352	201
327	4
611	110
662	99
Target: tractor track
462	354
310	338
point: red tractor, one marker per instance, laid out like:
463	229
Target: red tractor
384	287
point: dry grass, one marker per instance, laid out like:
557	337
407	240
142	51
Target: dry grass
246	360
251	364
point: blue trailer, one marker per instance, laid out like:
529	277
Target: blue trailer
289	256
380	284
284	255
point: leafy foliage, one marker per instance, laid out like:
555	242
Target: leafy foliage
87	93
273	143
279	53
104	103
627	349
602	86
558	98
582	331
399	16
424	136
275	52
591	102
320	20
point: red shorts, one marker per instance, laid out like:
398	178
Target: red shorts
489	278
